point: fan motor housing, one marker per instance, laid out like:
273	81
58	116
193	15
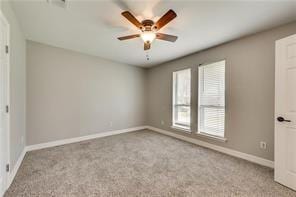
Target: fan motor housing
147	24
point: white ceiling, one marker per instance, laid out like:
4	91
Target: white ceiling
92	26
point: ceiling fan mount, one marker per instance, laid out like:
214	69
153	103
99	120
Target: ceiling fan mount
148	25
149	28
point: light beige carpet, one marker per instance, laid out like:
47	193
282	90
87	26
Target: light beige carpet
142	163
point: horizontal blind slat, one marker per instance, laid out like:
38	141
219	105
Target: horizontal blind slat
181	97
211	103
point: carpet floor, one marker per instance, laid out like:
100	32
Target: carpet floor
141	163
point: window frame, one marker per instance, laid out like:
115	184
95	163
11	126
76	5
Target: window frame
203	133
180	126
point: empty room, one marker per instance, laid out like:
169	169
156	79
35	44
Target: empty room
147	98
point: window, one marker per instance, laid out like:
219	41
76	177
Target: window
181	99
211	99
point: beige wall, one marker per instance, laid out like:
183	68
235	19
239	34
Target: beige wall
17	84
249	90
70	94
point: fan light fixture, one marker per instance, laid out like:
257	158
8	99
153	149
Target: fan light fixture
148	36
149	29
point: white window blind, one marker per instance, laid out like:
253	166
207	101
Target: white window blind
211	98
181	98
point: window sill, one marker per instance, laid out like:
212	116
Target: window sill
212	137
183	129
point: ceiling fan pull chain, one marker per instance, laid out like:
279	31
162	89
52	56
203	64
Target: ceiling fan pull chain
149	29
147	56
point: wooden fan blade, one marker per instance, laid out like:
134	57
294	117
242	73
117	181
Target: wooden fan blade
147	46
129	37
166	37
165	19
132	19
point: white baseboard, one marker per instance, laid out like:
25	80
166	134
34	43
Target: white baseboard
228	151
83	138
245	156
12	174
15	168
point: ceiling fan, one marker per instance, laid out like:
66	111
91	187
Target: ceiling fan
149	28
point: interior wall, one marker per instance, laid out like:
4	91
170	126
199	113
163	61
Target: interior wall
250	79
17	54
70	94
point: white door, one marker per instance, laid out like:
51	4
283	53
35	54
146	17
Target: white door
285	112
4	77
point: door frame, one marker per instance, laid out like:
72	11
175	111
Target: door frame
7	95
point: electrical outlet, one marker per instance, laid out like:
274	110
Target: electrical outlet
263	145
110	124
162	122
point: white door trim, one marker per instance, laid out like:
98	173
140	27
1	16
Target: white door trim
2	17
